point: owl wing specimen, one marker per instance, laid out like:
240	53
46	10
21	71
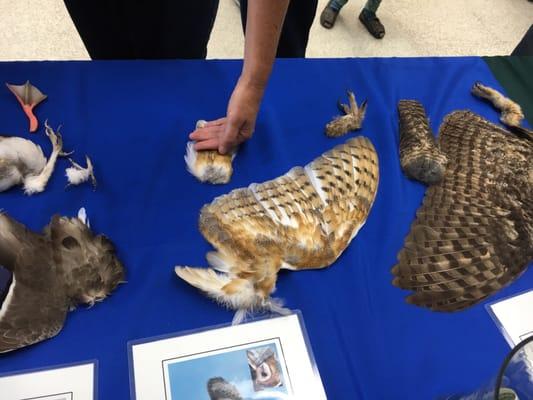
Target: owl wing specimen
34	309
303	219
473	233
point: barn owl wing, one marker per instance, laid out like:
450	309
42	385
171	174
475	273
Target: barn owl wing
305	209
473	233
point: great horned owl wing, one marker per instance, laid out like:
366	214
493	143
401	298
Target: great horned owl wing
473	233
29	316
15	240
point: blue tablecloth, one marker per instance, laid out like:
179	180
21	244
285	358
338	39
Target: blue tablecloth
133	118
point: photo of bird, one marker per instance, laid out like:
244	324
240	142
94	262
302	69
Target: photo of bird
51	273
28	97
22	162
351	120
220	389
473	234
301	220
420	157
209	165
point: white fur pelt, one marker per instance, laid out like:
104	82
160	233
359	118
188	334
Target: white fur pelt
208	165
76	174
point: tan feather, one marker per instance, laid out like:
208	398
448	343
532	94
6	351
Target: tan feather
511	112
351	120
303	219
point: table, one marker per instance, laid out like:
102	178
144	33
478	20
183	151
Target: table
132	118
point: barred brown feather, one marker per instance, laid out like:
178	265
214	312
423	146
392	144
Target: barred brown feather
420	158
473	233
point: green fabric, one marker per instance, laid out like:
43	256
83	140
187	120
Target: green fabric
515	74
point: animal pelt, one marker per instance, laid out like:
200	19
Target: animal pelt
301	220
209	165
23	163
473	234
52	273
351	120
420	157
511	112
76	174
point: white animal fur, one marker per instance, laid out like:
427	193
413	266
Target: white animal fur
216	174
37	183
76	174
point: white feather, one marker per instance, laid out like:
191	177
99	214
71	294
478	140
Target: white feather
76	174
8	298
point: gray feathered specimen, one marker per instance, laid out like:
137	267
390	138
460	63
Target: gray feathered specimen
420	157
52	273
473	233
220	389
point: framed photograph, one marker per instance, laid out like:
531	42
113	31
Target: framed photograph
513	316
263	359
64	382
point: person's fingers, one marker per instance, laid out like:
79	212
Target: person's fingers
229	139
210	144
207	132
216	122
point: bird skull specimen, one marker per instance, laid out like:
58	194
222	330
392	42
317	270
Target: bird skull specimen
420	157
52	273
511	112
29	97
23	163
351	120
209	165
301	220
473	233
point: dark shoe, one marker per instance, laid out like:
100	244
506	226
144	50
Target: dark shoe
372	24
328	17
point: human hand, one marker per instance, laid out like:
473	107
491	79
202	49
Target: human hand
226	133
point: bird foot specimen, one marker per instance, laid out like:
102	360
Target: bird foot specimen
301	220
511	112
53	272
76	174
473	233
29	97
208	165
23	162
420	158
351	120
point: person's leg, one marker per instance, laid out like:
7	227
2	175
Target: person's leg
295	32
144	29
330	13
370	20
372	5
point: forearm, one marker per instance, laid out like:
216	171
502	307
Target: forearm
263	29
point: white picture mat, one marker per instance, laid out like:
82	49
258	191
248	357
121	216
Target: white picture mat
50	383
514	316
148	357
